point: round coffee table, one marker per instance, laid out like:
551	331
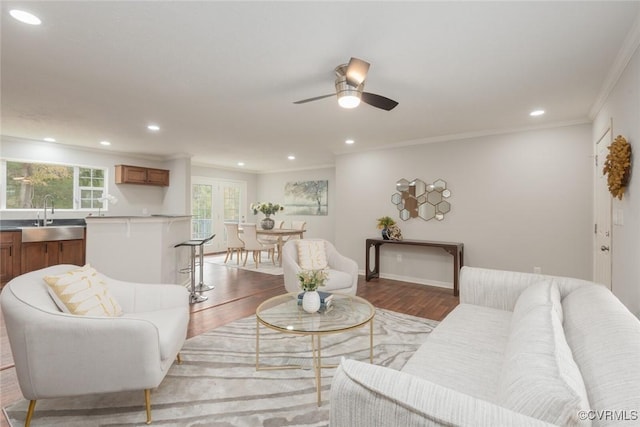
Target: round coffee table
283	314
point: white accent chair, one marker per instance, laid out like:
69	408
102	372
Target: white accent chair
234	243
343	271
64	355
253	245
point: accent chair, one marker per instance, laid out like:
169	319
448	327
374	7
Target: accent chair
342	271
57	354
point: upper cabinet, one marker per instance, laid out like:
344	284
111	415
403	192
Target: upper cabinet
139	175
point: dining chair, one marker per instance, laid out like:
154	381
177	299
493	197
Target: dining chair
295	225
234	243
271	239
253	245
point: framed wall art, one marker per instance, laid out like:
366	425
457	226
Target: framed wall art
306	198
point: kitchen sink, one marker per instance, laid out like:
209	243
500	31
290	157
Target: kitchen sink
52	232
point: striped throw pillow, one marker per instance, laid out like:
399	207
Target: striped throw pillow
82	291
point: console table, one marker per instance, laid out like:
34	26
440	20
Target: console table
454	249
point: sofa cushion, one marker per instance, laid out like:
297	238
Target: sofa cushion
83	292
605	339
464	352
539	376
543	292
312	254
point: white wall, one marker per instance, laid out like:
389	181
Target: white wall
623	106
132	199
519	201
177	200
271	189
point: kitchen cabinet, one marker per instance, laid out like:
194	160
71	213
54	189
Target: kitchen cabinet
126	174
9	255
37	255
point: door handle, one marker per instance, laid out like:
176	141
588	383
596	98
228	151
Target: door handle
604	248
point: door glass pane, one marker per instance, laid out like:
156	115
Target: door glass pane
201	209
231	203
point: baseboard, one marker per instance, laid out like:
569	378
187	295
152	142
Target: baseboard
417	280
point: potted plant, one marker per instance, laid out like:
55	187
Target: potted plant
310	280
268	209
383	224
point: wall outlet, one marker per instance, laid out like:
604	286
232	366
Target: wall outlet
399	257
537	270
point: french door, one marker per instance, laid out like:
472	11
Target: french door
214	202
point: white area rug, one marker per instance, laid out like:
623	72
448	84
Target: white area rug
266	266
217	384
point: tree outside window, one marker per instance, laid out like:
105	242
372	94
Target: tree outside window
28	183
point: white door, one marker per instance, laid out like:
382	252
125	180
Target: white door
603	248
214	202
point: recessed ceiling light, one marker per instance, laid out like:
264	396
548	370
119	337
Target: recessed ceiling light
105	143
25	17
291	157
536	113
349	141
154	128
240	163
48	139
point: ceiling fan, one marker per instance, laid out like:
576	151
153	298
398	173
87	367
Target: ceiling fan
349	87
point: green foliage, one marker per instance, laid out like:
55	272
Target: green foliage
266	208
310	280
385	222
28	183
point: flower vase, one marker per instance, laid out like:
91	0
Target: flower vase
311	301
267	223
385	233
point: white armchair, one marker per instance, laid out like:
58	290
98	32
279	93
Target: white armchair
63	355
343	271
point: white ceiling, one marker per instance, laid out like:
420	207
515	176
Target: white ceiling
220	77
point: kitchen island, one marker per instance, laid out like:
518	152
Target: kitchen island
138	248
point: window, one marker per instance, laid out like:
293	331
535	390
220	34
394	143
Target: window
72	187
201	209
232	203
91	186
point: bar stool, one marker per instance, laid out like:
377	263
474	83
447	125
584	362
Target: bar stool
201	287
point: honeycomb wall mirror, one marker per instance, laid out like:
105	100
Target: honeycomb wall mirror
417	199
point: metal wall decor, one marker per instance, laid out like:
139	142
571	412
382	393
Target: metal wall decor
419	199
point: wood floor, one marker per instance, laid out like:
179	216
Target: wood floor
239	292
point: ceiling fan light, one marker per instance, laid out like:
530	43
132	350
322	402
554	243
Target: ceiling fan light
348	101
348	96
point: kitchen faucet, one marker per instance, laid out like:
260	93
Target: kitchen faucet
47	198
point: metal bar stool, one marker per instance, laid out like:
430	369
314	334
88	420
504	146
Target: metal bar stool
201	287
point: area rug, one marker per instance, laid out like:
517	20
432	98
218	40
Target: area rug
217	384
266	266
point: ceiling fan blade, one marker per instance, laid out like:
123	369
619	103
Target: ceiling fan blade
378	101
356	71
304	101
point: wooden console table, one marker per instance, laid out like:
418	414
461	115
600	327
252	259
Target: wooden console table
454	249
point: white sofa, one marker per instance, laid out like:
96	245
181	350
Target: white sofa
520	349
63	355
